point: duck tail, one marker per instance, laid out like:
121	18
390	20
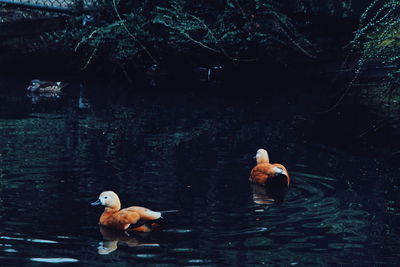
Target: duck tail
62	85
163	212
169	211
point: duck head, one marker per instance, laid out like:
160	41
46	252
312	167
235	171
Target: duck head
34	85
262	156
108	199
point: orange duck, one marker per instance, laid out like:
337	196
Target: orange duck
132	218
267	174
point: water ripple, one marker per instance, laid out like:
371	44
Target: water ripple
311	212
54	260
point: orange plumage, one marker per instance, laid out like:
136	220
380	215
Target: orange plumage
265	173
138	218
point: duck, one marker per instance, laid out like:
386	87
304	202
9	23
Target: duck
208	74
38	86
133	218
267	174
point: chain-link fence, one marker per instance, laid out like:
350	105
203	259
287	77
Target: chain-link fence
14	10
53	4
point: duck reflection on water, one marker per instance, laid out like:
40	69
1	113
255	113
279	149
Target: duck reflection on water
111	239
42	97
268	195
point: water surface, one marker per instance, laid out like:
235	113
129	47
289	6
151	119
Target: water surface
193	153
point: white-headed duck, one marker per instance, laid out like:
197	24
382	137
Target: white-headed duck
132	218
267	174
38	86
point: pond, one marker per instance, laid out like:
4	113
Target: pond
190	152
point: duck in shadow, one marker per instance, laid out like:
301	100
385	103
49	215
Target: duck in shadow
38	86
133	218
208	74
83	101
112	238
271	181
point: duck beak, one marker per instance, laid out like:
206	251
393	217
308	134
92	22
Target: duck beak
97	202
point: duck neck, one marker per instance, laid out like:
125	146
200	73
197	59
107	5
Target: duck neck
114	205
263	159
108	211
112	209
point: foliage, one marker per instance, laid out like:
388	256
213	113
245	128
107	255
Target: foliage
152	31
205	32
344	8
378	39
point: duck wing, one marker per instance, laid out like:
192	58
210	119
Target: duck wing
282	171
120	220
260	173
145	213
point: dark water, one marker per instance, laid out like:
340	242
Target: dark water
193	153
